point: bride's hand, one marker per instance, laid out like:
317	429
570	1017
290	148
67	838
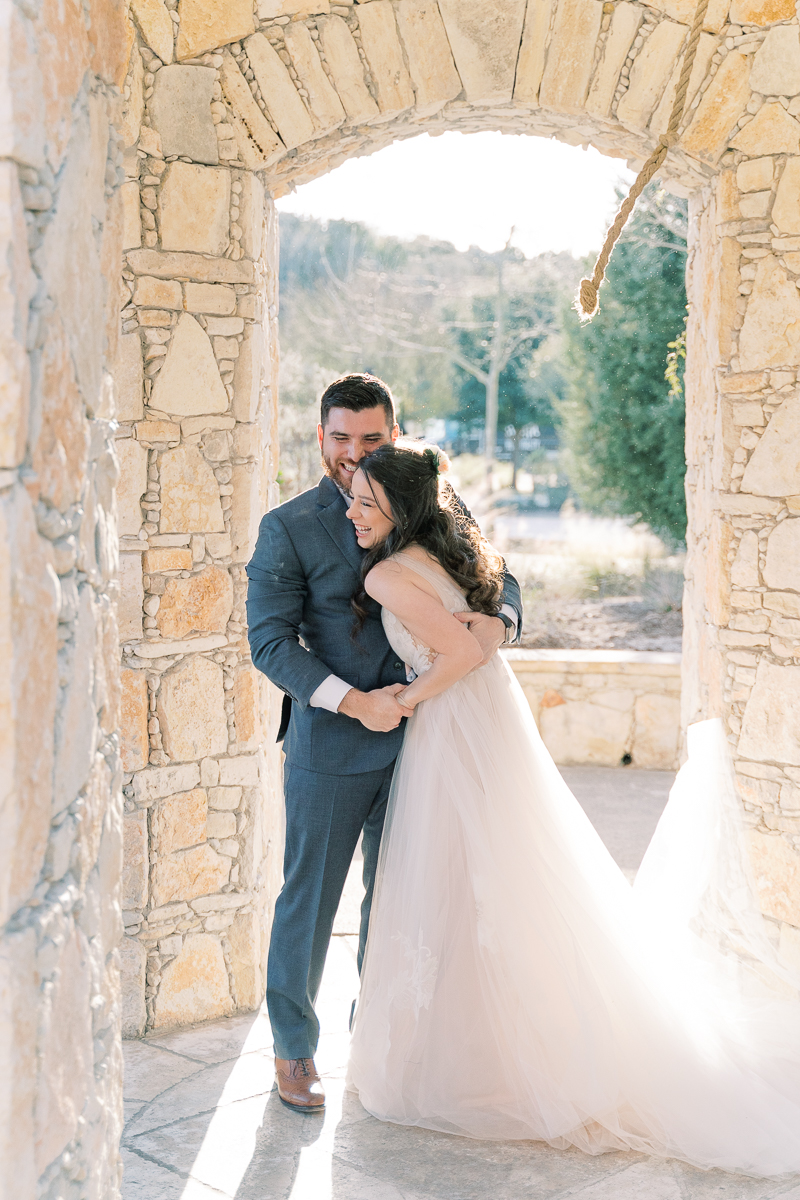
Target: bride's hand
489	632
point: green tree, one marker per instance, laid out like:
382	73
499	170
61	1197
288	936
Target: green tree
622	426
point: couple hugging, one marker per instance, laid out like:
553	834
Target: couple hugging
513	984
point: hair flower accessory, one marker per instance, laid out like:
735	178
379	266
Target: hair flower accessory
438	459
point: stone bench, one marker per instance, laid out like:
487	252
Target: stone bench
607	707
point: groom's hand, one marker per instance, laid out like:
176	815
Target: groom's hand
378	710
489	631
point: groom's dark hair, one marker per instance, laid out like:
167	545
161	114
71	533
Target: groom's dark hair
357	392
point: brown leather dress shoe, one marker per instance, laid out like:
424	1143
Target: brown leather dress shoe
299	1084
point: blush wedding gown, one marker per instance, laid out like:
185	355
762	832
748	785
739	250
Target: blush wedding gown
516	986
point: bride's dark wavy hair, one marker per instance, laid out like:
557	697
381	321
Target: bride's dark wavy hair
426	513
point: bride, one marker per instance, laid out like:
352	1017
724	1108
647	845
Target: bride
514	985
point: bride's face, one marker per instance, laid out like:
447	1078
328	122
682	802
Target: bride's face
368	512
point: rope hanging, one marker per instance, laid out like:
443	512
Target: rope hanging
586	300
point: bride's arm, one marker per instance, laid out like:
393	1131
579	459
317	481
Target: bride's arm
457	650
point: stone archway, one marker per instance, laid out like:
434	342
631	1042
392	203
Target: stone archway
224	106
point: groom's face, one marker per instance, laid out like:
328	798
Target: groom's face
349	436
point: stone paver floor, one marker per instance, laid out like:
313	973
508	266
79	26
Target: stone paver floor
203	1123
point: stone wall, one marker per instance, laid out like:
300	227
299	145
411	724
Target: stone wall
60	801
197	456
604	707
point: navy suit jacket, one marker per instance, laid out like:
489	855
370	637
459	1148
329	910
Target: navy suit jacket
303	573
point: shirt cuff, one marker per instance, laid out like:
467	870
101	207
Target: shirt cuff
512	615
330	693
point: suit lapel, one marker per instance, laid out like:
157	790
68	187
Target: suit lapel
332	514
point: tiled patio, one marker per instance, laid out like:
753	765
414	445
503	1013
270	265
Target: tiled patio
202	1121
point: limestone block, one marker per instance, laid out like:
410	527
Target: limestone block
132	485
135	860
245	708
651	69
152	17
189	384
706	49
194	207
128	378
776	66
60	443
786	209
723	103
227	798
530	62
66	1066
20	1008
150	292
221	825
256	140
430	61
181	112
344	61
285	105
755	174
207	24
326	107
385	56
251	216
245	511
744	571
164	558
190	266
189	494
774	466
580	732
485	40
133	107
782	569
239	772
131	216
186	874
657	726
770	335
771	723
569	58
153	432
29	605
76	725
201	603
194	986
16	290
210	298
244	940
131	597
134	742
247	376
156	782
625	24
776	867
191	709
179	821
218	545
762	12
133	960
683	11
786	603
771	131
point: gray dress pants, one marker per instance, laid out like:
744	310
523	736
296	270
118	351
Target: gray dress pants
325	815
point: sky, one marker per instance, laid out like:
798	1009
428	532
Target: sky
471	189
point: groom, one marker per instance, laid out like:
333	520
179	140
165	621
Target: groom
341	725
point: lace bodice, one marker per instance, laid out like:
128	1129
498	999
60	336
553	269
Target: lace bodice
412	651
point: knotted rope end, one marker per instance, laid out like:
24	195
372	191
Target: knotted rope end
586	304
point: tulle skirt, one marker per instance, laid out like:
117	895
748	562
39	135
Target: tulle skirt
516	986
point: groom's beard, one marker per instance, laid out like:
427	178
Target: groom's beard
342	481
